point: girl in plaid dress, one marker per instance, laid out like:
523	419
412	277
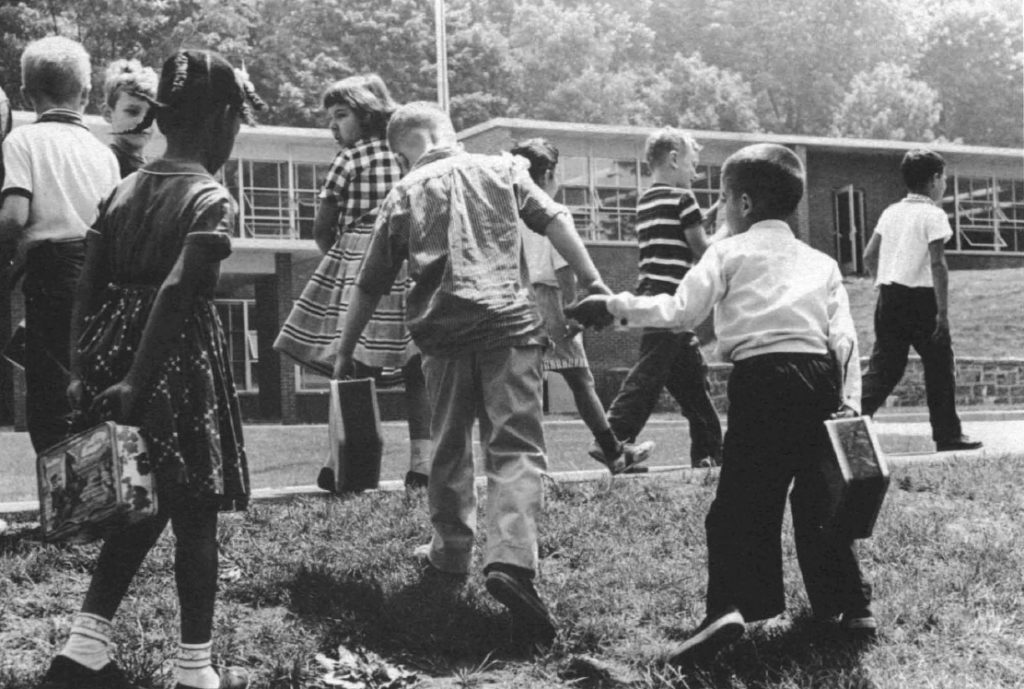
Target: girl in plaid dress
360	177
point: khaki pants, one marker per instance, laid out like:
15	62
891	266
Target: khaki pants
503	389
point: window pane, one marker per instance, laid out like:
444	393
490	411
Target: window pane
572	171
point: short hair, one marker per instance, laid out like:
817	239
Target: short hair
543	156
919	165
195	83
770	174
422	115
56	67
368	97
131	77
664	141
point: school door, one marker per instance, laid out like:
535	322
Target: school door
848	209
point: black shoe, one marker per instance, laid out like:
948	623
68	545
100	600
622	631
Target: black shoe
415	480
961	443
713	634
860	623
325	480
520	597
65	673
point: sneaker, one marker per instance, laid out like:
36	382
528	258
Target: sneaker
859	623
325	480
230	678
615	464
65	673
414	480
630	455
713	634
961	443
520	597
705	463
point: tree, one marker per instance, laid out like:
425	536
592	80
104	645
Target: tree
695	94
973	59
886	103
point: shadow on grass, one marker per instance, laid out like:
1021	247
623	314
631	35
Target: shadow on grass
807	653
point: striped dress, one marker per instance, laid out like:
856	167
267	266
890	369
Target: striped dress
359	179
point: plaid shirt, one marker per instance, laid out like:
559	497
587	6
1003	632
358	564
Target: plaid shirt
359	179
455	218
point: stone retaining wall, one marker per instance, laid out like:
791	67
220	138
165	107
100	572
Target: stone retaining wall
978	382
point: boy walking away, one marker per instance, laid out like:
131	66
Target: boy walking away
128	90
782	317
671	236
906	254
553	283
56	175
454	217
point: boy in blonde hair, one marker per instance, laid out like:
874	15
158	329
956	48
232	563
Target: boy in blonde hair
472	314
128	90
56	175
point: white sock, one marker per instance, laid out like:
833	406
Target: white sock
89	641
194	669
419	455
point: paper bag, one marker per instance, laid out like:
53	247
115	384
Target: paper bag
354	434
857	476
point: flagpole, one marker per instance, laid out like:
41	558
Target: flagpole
442	54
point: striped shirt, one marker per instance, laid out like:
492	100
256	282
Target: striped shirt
454	217
663	213
359	179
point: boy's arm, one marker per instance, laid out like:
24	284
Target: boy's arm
842	343
361	306
13	218
871	253
940	279
563	236
697	239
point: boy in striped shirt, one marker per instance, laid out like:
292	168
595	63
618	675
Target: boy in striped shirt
670	233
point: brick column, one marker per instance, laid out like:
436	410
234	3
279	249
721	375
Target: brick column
267	326
18	378
285	367
802	217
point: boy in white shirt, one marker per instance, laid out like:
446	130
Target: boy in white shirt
782	317
906	254
57	173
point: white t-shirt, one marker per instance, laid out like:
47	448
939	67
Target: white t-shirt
905	229
65	171
541	258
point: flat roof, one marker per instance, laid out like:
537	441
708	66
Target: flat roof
577	129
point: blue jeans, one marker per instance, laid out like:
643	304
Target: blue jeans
673	361
51	278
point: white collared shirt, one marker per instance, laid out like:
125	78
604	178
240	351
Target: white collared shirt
770	292
906	228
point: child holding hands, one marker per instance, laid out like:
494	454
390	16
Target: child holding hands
150	352
782	317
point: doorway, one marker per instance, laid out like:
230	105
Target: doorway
848	211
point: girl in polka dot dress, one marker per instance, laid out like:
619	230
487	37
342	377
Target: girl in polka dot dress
150	352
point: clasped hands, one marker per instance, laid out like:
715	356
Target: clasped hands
592	310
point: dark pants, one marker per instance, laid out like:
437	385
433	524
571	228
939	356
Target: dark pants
905	318
776	438
195	561
51	278
673	361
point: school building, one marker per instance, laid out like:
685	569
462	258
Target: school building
275	173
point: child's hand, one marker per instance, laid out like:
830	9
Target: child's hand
846	412
76	394
591	311
116	403
342	367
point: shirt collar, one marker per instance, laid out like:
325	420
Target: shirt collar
65	115
771	226
438	153
918	198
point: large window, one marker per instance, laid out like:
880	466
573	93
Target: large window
240	332
987	214
276	199
602	194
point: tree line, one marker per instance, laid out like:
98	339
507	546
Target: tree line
948	70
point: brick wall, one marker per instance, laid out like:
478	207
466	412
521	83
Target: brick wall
978	382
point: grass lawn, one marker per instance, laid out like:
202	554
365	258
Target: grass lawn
984	312
623	569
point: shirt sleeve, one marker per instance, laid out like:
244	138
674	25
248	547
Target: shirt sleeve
937	226
388	249
17	167
842	340
697	294
536	208
689	211
336	183
214	223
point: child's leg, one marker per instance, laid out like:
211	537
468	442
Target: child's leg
417	409
195	573
639	393
512	436
688	383
894	319
452	490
